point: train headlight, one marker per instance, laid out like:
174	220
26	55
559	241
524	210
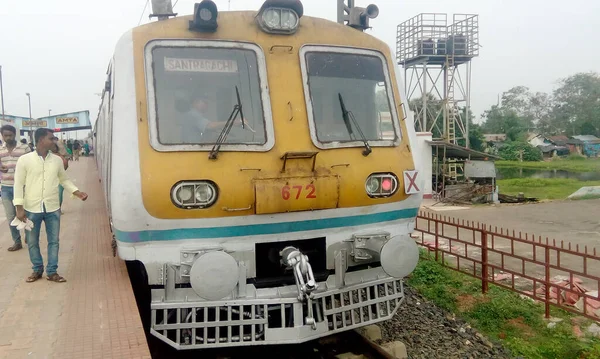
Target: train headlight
196	194
205	17
279	16
185	194
271	18
204	194
372	185
399	256
381	185
214	275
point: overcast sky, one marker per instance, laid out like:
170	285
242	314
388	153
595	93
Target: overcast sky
58	50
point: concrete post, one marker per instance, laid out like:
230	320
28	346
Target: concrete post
424	156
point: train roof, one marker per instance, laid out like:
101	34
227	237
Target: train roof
310	29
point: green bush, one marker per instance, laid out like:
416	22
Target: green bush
510	152
575	157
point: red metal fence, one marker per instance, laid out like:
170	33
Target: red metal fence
556	273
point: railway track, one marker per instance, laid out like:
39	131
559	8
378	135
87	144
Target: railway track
348	345
352	345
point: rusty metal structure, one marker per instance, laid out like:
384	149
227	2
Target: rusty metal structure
555	273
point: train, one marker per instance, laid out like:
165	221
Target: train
259	167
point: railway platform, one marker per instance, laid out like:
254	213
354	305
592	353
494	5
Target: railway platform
94	314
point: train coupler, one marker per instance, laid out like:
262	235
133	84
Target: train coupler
291	257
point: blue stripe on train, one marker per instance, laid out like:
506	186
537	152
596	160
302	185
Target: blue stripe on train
262	229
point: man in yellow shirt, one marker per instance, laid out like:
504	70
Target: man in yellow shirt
41	172
9	155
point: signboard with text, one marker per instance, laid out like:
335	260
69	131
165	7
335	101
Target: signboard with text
35	123
200	65
63	122
14	120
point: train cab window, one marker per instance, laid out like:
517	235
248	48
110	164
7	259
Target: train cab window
362	79
194	88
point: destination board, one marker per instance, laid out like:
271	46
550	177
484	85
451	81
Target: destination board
60	120
35	123
200	65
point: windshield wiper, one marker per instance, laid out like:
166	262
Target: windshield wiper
237	110
347	115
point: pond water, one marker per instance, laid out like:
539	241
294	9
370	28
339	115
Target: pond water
513	172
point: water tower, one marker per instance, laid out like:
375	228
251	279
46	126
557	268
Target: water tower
436	57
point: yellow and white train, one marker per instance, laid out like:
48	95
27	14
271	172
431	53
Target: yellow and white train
246	169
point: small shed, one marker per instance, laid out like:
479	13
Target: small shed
591	145
536	140
549	151
560	140
575	146
449	164
494	137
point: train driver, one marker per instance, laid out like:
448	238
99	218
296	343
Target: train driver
198	121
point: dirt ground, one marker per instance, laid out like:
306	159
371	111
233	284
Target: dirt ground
574	221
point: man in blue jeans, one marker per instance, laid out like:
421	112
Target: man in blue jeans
41	172
9	154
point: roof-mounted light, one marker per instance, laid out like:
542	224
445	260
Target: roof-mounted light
205	16
280	16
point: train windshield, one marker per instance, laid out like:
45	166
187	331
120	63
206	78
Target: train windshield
195	93
364	86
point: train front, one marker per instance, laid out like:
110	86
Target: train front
277	189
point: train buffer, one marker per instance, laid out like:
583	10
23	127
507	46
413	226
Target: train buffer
94	314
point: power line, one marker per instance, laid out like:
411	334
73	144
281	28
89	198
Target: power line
143	11
175	4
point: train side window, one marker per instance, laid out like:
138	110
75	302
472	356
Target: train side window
362	79
193	86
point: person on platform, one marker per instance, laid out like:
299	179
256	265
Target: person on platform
41	172
56	149
76	150
9	154
86	148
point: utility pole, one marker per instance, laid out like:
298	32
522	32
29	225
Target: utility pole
162	9
342	9
2	93
29	98
30	118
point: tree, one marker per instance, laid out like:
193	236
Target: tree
517	99
521	111
434	107
587	128
515	150
577	104
476	139
507	121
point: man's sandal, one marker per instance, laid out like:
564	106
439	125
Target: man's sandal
33	277
56	278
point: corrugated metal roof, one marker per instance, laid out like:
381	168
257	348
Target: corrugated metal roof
456	151
586	138
559	138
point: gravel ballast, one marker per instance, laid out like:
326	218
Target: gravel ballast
430	332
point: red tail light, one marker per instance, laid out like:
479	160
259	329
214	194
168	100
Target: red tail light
381	185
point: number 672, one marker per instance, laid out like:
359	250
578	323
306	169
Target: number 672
288	191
